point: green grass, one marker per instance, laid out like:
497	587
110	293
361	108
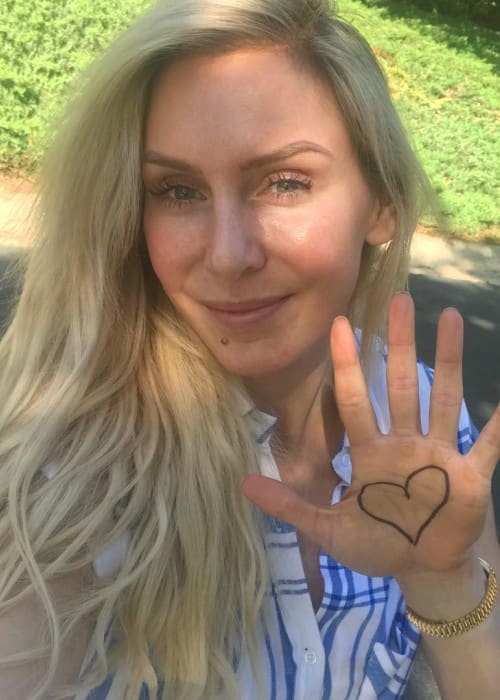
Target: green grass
444	75
45	45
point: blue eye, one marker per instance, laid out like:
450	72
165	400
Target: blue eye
182	192
175	195
288	185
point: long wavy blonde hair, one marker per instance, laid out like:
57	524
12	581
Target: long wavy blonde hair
101	378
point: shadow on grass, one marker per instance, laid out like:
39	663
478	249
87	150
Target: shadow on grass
457	32
479	306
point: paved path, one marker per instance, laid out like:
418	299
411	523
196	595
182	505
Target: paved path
443	273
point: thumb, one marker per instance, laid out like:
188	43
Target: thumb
280	501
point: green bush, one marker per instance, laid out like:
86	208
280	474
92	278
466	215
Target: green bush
485	12
44	45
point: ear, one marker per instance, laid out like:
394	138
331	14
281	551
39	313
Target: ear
382	225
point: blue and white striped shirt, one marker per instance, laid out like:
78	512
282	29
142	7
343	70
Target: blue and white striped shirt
359	644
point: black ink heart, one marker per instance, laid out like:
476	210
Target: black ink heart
442	494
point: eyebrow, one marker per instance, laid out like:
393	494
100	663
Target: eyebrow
291	149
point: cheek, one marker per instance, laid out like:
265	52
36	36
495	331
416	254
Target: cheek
171	252
317	244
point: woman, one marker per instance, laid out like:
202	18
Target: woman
232	179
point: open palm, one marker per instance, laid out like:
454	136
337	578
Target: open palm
415	503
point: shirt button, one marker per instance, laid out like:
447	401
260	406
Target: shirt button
310	657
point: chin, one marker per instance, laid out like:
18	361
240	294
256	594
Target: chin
251	361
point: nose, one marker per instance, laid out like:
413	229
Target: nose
235	245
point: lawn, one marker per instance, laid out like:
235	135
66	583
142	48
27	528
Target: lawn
444	76
46	44
443	73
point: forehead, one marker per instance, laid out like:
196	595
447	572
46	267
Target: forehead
240	98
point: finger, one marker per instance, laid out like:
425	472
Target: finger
447	389
402	377
351	393
486	450
280	501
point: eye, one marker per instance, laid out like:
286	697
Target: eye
288	185
175	195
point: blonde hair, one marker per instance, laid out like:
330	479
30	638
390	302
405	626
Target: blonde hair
100	377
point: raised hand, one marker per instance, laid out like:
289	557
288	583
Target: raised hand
415	503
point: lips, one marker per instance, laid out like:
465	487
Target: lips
249	312
240	306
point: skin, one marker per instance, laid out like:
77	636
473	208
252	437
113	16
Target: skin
294	229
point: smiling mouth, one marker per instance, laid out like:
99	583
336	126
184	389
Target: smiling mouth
248	305
240	314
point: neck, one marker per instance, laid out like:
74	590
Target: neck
308	429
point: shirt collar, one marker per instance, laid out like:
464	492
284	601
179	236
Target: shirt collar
261	426
259	423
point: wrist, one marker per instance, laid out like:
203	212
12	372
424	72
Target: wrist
445	595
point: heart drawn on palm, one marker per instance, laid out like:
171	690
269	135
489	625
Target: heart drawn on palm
373	499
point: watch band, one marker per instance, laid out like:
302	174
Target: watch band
452	628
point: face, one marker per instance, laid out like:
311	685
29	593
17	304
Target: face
256	211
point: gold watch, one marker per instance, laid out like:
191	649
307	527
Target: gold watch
452	628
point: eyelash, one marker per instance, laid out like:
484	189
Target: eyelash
164	189
304	182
